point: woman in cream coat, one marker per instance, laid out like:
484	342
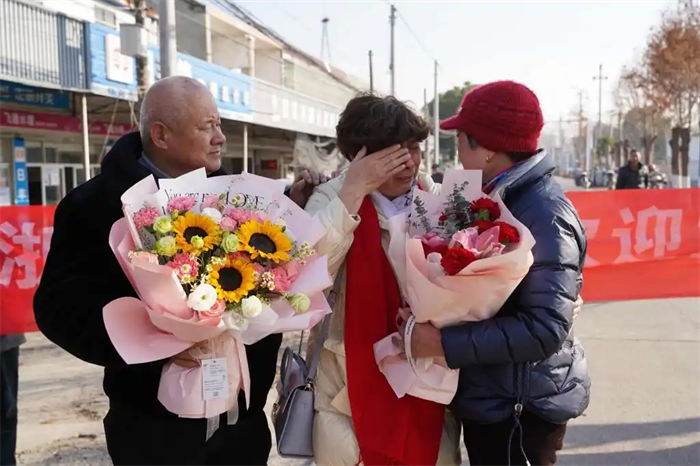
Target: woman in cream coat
387	178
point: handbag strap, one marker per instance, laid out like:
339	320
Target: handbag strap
315	355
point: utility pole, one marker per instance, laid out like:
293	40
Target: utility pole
426	115
168	38
392	63
325	43
142	74
371	73
581	149
436	120
600	78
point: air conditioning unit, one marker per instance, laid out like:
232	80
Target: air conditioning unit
134	40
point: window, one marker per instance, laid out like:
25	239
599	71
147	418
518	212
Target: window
105	16
288	74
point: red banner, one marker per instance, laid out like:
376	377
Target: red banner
25	237
642	244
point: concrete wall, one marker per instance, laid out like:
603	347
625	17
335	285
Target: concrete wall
314	82
191	30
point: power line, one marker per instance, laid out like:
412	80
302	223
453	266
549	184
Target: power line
255	22
334	84
425	48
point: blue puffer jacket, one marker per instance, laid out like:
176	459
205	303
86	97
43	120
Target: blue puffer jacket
527	354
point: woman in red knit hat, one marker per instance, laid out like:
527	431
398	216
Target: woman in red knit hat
523	373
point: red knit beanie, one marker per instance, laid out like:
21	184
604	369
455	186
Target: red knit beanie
502	116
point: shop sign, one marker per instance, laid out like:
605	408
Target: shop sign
110	73
35	96
19	166
114	75
63	123
231	91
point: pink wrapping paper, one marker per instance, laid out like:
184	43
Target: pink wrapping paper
476	293
160	325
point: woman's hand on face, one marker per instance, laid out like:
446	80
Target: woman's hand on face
367	172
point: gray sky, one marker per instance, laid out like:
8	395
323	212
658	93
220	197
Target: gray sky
553	47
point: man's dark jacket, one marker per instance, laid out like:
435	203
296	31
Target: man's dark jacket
527	353
82	275
629	178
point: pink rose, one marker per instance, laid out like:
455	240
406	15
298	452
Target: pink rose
228	224
293	269
145	217
186	267
215	311
210	201
261	217
181	204
282	282
238	214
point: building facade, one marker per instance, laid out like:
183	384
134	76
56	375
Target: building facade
279	105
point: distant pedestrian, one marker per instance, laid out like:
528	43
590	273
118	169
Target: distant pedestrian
437	174
9	382
634	175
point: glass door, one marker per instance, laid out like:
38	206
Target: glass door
53	182
69	178
36	190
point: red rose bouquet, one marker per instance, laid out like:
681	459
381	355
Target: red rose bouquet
458	257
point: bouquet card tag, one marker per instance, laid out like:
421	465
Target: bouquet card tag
214	379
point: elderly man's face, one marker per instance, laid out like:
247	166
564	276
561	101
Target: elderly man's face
198	139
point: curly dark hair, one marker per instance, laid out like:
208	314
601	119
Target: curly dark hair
377	123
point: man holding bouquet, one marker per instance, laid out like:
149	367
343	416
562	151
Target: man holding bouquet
523	375
180	131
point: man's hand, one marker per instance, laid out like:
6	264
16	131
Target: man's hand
577	306
304	185
189	358
426	339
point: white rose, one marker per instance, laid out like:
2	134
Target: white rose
212	214
251	307
280	223
203	298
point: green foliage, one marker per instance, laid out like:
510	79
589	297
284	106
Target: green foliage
449	101
457	214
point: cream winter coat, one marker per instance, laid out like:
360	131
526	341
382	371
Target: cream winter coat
334	439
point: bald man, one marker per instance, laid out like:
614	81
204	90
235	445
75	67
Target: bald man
180	130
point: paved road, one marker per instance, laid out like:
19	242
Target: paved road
644	358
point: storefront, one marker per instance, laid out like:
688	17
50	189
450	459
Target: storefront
41	155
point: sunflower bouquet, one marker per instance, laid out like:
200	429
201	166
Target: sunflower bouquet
217	264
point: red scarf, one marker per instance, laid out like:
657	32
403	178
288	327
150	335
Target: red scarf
389	430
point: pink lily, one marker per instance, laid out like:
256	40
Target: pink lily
482	245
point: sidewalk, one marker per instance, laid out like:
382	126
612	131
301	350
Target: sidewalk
644	359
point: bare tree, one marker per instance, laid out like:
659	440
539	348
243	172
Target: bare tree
637	95
673	60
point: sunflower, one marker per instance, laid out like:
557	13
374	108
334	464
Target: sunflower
265	240
232	279
196	233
